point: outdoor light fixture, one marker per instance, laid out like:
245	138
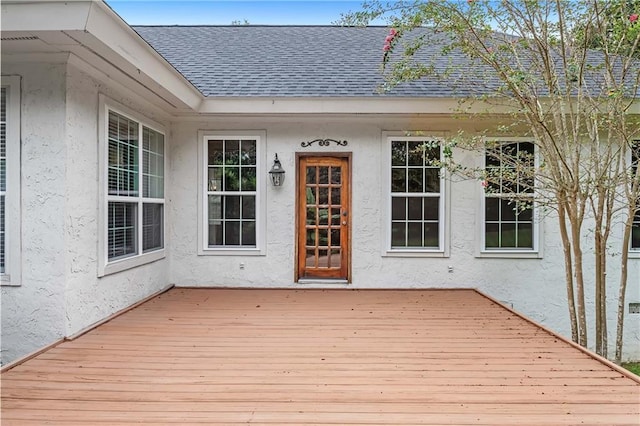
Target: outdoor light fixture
277	173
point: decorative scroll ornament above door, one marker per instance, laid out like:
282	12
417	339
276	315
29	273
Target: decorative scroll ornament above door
324	142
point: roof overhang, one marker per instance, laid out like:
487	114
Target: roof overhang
93	32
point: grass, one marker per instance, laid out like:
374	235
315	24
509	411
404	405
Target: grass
634	367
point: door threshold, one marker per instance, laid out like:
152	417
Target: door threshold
327	281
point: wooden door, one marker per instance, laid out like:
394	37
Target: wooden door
323	203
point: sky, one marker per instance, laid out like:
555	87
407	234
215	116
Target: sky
225	12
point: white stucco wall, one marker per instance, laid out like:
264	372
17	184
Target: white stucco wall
61	293
534	287
33	313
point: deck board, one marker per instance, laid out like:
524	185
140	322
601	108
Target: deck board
318	357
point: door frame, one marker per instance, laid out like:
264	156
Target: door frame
342	155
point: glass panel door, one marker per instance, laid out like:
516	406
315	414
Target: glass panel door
323	235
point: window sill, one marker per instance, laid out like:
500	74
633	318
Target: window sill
414	253
510	254
5	280
130	262
226	251
634	254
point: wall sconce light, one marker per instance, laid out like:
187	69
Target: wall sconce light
276	173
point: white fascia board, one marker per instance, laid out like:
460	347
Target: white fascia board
330	105
36	16
107	27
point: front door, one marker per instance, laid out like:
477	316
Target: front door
323	217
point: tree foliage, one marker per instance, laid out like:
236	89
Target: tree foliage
563	73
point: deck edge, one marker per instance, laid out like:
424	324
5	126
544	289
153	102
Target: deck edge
570	342
85	330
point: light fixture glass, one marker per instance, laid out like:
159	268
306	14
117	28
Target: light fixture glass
276	173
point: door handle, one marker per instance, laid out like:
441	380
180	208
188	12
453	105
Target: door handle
345	213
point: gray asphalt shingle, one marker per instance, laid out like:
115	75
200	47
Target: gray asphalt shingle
322	61
282	60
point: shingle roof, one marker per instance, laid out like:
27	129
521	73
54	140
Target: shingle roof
317	61
283	60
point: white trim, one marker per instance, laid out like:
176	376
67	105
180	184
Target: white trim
537	223
634	252
261	185
106	267
13	200
444	212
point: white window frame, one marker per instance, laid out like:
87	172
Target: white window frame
106	266
13	231
536	251
260	136
634	252
444	211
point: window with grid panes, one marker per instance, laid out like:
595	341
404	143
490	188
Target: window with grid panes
231	191
135	188
635	230
508	203
417	193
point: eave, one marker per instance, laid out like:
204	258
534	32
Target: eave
93	32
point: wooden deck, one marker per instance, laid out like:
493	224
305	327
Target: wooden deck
318	357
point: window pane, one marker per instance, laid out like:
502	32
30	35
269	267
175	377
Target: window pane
311	175
215	207
508	235
399	208
121	230
232	152
232	233
492	209
398	234
414	234
248	233
415	180
507	211
335	196
152	227
248	152
431	208
399	180
398	153
336	177
492	235
432	178
415	208
248	207
232	207
232	179
215	179
431	234
123	156
415	151
248	179
152	163
215	152
525	235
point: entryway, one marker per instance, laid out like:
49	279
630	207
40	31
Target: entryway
323	216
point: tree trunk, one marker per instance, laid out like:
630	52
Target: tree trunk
622	290
568	270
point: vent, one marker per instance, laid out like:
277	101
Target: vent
19	38
634	308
